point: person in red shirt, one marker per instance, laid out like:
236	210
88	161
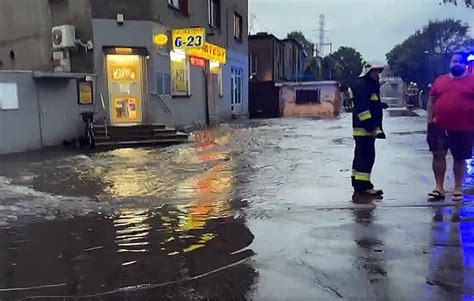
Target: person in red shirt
451	124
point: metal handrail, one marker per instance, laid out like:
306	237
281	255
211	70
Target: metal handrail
162	102
105	117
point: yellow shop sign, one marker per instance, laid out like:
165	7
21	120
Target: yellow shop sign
188	38
210	52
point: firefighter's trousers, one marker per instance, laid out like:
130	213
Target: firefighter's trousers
364	159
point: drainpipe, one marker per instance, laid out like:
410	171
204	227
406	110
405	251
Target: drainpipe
40	123
206	91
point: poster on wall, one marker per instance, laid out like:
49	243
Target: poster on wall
126	108
9	96
124	73
85	92
179	77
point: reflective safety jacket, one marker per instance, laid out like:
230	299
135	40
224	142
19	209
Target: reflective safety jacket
368	109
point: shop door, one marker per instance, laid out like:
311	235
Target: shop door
126	86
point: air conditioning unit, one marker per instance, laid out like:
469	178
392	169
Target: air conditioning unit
63	36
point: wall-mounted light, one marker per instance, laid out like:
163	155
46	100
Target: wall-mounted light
160	39
470	58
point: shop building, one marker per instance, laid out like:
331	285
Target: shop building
128	51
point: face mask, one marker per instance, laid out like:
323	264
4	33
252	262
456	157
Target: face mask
457	71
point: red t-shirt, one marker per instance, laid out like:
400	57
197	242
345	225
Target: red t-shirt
454	102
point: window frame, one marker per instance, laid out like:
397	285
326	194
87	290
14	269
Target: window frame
238	35
173	5
237	87
253	65
214	14
163	86
181	6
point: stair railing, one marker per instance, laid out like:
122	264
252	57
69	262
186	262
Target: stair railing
162	102
105	117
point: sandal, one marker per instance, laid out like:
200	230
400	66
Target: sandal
436	195
458	197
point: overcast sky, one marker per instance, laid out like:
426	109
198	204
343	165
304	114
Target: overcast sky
373	27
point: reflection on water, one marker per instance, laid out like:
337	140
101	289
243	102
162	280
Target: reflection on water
132	232
369	256
91	255
188	229
469	182
126	174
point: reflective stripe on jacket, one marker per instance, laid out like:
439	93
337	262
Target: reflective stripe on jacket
368	109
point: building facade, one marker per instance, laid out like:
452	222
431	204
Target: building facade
294	60
125	48
267	58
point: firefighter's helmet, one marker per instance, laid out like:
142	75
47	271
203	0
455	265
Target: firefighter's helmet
371	66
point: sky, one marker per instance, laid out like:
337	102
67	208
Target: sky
373	27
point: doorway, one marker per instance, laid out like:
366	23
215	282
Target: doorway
125	85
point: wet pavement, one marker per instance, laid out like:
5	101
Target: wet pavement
255	210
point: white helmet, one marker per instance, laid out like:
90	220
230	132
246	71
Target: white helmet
371	66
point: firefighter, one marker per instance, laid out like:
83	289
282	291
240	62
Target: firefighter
367	127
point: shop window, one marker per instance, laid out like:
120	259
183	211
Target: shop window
238	26
215	13
9	96
85	92
180	74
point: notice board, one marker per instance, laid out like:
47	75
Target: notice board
9	96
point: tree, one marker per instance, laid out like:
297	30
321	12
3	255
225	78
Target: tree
307	45
344	65
468	3
423	55
445	36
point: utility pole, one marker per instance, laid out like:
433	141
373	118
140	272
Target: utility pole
322	41
322	31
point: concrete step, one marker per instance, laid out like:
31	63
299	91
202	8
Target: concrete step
167	141
144	137
132	127
136	133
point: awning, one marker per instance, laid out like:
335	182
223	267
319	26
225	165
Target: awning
126	50
38	75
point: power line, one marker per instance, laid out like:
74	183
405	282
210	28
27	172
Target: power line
253	19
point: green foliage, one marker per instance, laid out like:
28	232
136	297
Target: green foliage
423	55
344	66
467	3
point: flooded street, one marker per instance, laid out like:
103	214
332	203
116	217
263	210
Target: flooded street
254	210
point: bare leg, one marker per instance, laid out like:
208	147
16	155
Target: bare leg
459	174
439	168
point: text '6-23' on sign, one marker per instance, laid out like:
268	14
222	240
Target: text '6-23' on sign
188	38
